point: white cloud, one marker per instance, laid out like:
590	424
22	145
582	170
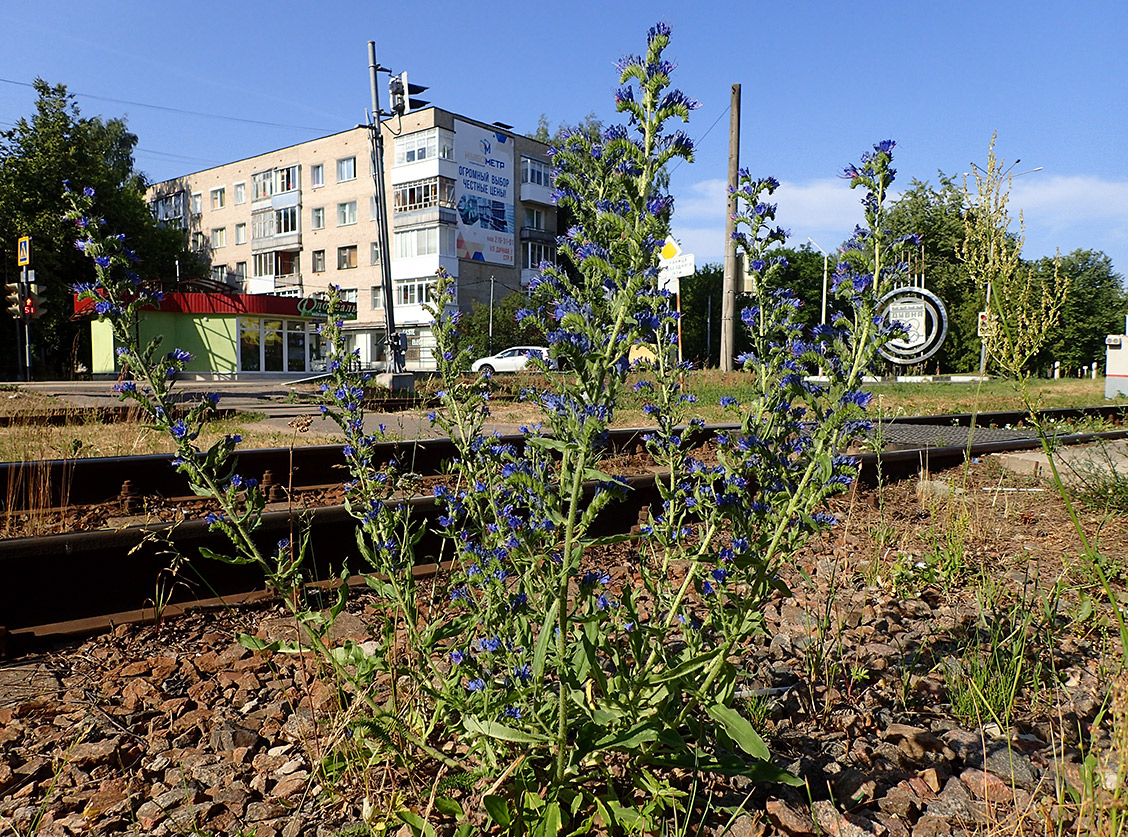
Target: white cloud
826	210
1061	203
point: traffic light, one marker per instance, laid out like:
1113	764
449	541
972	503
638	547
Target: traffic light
37	295
12	299
401	90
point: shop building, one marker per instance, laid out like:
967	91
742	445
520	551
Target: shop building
467	196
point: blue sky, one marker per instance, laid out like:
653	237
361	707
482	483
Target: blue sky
821	81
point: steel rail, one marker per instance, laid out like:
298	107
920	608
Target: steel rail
79	578
75	482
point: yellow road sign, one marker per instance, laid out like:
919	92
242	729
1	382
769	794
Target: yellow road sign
23	251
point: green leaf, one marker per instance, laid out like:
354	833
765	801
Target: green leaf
549	824
540	651
498	809
740	730
547	443
449	807
416	823
493	729
630	738
688	667
253	643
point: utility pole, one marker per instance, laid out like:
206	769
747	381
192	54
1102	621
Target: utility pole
728	298
491	314
395	341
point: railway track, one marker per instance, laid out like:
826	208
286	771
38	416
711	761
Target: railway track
78	582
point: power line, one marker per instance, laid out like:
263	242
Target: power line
185	112
702	138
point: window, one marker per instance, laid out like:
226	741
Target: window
405	295
414	293
534	219
264	264
317	175
219	273
374	253
318	261
346	257
197	203
349	295
346	169
377	297
264	184
286	179
219	198
240	233
372	215
317	218
286	220
533	253
169	208
219	237
429	241
240	192
421	194
534	171
262	224
197	241
241	270
346	213
424	145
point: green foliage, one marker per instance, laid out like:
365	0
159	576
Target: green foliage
474	327
803	274
1095	307
58	144
936	215
993	670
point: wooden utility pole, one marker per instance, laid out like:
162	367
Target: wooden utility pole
728	298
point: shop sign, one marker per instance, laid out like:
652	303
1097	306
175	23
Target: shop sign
308	306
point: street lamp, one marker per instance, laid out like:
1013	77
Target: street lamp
825	263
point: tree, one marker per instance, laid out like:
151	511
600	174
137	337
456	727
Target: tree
701	303
474	327
590	126
1094	308
936	215
57	145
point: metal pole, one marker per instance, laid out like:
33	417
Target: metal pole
395	348
708	329
491	315
728	299
825	264
25	289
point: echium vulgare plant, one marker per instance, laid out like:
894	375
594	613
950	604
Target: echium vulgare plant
386	537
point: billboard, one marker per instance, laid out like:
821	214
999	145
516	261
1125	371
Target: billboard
484	194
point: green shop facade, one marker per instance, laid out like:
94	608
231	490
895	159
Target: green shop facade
230	336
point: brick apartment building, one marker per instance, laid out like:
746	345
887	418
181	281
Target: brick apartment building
467	196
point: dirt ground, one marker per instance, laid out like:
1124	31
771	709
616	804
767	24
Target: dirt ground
860	689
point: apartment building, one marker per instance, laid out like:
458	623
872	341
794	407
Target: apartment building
471	197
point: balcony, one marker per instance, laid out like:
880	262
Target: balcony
535	193
427	217
540	236
285	241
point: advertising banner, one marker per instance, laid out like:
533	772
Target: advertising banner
484	194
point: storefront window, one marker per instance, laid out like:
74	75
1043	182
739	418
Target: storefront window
295	346
249	346
272	345
279	345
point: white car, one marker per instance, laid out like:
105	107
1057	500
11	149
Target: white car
512	359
